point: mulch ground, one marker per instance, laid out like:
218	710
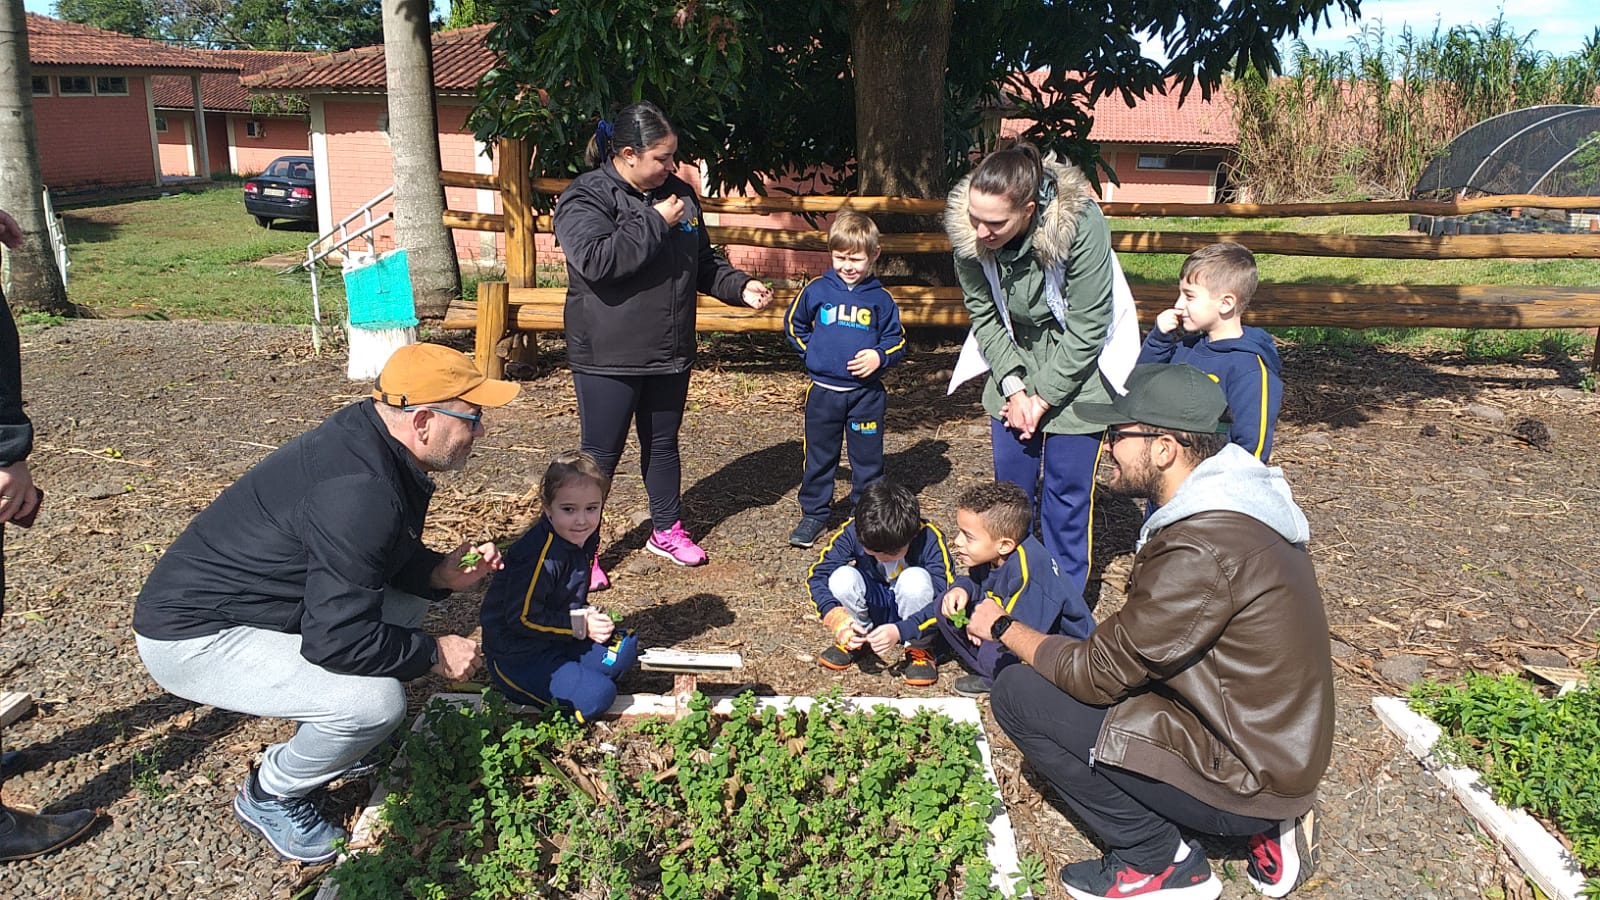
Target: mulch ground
1453	508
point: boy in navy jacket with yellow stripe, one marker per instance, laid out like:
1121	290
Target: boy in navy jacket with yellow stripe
1204	330
848	329
877	582
543	644
1006	564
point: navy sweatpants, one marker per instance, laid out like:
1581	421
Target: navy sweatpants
855	414
577	675
1057	473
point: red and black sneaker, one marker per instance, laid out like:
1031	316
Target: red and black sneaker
1113	879
1284	858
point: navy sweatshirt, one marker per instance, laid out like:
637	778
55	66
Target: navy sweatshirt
529	603
1247	368
829	322
1029	585
927	551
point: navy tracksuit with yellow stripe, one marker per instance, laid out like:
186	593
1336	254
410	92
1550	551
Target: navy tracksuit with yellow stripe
1031	588
528	645
829	322
1247	367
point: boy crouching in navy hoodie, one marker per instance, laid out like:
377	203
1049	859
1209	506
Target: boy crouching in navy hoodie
877	583
1008	565
848	329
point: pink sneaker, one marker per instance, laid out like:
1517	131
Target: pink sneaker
676	545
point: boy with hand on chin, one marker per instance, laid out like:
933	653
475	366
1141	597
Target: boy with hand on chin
848	329
1204	329
1006	564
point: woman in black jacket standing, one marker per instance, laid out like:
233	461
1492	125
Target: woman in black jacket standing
637	254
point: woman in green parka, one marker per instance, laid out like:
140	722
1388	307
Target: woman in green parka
1033	255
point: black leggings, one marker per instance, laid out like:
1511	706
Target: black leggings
654	405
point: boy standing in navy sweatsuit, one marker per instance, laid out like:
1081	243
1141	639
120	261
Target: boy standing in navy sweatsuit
848	329
1203	329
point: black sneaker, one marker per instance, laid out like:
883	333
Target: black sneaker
294	826
837	658
807	531
972	686
1284	858
920	669
1109	878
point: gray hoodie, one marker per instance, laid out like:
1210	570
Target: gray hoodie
1234	481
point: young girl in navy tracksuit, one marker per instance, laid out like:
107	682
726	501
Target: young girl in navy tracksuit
543	644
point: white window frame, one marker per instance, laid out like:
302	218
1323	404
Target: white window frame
109	92
44	80
61	89
255	128
161	125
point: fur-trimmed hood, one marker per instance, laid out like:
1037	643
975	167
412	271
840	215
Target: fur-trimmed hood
1054	227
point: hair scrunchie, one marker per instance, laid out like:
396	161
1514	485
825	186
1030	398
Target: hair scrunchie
1047	192
602	138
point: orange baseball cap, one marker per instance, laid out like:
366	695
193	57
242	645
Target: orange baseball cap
429	373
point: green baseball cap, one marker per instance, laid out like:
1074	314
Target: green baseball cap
1165	395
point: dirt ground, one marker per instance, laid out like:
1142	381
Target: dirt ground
1453	507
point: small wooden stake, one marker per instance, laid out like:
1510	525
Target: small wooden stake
14	705
683	688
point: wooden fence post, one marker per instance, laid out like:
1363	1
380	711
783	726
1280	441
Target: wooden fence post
494	310
516	199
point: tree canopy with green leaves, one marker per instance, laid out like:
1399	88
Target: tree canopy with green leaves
243	24
876	96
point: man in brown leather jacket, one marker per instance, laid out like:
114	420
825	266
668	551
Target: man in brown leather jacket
1206	702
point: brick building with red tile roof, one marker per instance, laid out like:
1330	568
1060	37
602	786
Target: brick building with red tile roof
1161	150
93	103
242	139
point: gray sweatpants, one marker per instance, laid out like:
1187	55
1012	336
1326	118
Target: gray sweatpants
261	673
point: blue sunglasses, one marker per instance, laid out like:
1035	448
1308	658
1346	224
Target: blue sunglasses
475	418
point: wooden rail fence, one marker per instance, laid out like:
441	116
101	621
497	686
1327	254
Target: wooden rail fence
517	305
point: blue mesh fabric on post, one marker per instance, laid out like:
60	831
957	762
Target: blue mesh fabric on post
379	295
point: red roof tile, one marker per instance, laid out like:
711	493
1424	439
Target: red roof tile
1156	119
52	42
223	92
460	58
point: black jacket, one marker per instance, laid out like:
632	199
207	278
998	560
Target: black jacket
632	278
16	432
305	543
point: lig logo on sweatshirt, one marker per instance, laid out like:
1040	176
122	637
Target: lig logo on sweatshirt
849	316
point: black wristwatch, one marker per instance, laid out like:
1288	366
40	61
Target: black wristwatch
999	627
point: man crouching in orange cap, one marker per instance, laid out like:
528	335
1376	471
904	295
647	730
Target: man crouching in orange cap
299	592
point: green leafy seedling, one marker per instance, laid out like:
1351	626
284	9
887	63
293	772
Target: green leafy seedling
960	618
616	617
470	559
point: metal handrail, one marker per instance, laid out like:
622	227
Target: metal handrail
345	236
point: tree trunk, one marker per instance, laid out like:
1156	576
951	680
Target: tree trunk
414	140
899	63
35	283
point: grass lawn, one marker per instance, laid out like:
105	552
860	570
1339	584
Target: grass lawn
192	256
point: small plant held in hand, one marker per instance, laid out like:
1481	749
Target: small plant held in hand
470	559
960	618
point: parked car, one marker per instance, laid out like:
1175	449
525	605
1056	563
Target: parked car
286	190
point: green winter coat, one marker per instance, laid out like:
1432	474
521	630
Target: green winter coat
1059	365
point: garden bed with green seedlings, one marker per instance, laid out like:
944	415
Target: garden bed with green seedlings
1519	757
748	798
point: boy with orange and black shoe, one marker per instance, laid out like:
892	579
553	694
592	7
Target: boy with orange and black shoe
877	582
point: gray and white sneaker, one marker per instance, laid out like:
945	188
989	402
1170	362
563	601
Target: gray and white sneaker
294	826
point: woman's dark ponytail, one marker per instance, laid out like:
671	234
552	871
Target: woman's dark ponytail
1014	173
639	126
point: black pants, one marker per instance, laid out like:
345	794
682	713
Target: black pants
1135	816
653	404
856	414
